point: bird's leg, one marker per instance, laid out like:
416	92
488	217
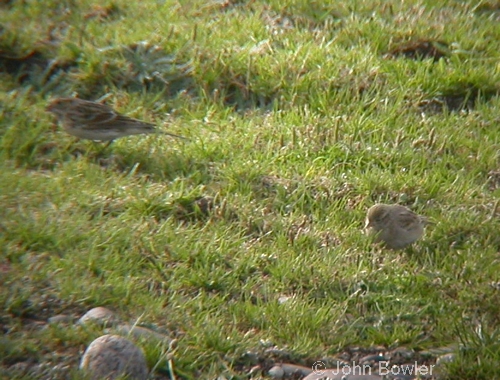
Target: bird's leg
99	149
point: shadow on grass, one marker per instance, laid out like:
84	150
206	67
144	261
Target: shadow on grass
458	97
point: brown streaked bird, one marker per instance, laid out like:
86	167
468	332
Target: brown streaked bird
95	121
395	225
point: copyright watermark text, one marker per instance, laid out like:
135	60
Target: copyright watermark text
381	368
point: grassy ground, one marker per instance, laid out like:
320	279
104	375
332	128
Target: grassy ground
300	116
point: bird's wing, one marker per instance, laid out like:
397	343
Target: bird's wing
94	114
408	219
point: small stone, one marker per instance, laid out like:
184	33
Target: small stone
448	358
284	299
60	319
277	372
294	369
99	315
111	356
439	351
289	370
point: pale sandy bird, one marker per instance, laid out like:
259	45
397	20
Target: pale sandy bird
395	225
96	121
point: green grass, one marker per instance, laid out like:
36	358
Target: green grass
298	121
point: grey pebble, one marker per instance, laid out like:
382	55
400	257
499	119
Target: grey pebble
284	299
99	315
276	372
111	356
287	370
439	351
448	358
60	319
